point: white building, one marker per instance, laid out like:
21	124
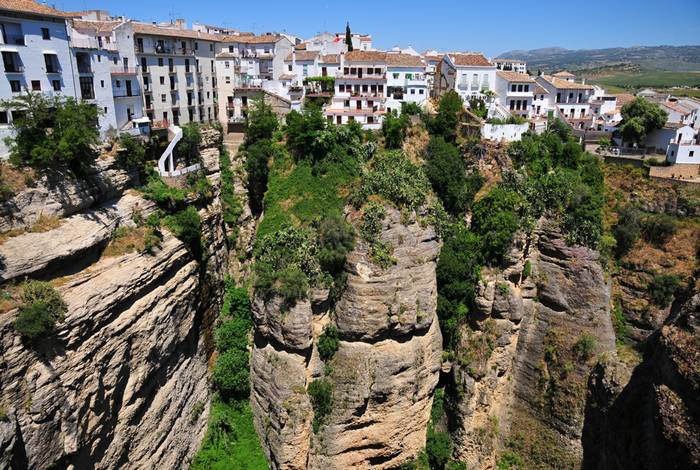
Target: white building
177	72
302	64
105	66
515	92
511	65
360	89
470	75
685	147
569	100
35	53
604	110
325	43
406	80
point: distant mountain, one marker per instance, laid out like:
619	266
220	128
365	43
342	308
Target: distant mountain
549	59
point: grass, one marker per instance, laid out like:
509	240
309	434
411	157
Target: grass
126	240
10	297
45	223
624	81
297	196
231	440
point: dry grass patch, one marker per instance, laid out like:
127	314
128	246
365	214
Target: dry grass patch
10	297
45	223
126	240
17	179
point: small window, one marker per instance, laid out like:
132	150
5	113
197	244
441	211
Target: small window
118	83
56	85
211	47
691	153
396	76
413	91
102	83
99	58
15	86
45	33
196	46
36	85
420	92
290	67
105	109
3	117
160	61
162	98
162	80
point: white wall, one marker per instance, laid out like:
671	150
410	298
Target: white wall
504	132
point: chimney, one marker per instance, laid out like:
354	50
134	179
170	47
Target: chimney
583	81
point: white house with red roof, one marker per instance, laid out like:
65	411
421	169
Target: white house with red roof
406	80
471	75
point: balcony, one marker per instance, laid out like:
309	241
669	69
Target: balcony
91	43
162	49
124	70
125	94
341	76
12	68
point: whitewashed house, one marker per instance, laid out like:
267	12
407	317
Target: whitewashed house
360	89
515	92
302	64
35	53
511	65
568	99
406	80
685	147
469	74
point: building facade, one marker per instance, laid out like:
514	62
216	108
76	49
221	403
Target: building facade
470	75
406	80
569	99
515	92
511	65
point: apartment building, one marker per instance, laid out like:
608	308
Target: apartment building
469	74
301	64
104	61
360	89
35	53
177	73
568	99
511	65
247	65
515	92
406	80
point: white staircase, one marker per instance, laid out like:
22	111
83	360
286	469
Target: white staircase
176	132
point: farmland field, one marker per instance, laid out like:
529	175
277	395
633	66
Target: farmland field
618	81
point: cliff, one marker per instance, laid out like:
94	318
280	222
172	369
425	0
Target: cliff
122	382
382	375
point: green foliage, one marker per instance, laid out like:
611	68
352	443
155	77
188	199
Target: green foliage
231	206
348	37
186	225
231	440
321	393
261	122
394	129
438	446
230	375
478	107
328	342
42	307
446	170
627	230
51	132
527	269
457	272
509	120
445	123
166	196
640	117
619	321
410	108
658	228
336	239
134	151
662	288
380	251
509	460
258	154
495	219
393	177
584	347
188	147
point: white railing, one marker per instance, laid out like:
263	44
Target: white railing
168	154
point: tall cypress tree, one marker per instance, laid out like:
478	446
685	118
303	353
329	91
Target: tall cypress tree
348	36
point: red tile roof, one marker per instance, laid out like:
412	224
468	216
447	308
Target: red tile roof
470	60
30	6
566	84
330	59
365	56
262	39
153	30
100	28
303	55
514	76
404	60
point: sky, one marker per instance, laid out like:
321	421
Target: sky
491	27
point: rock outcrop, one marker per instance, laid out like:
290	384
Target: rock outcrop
653	421
123	381
518	366
382	375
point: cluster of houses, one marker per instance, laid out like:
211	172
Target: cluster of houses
143	76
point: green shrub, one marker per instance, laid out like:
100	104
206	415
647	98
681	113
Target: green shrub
328	342
258	155
321	393
186	225
527	269
3	414
627	230
230	375
509	460
445	123
584	347
261	122
167	197
336	238
394	129
662	288
188	147
134	151
658	228
42	307
231	206
410	108
438	446
495	220
372	221
619	321
233	334
152	240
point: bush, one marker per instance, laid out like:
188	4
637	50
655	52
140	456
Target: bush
230	375
627	230
42	306
410	108
495	220
438	446
328	342
261	122
51	132
186	225
134	152
662	288
658	228
584	347
167	197
231	206
188	147
394	129
233	334
445	123
258	155
321	393
336	238
527	269
510	460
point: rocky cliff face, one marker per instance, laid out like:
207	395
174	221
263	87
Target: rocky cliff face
652	421
383	373
520	371
123	381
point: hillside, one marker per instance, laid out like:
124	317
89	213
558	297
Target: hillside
672	58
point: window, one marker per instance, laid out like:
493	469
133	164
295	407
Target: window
36	85
105	109
571	97
118	83
420	92
396	76
520	88
15	86
12	34
17	115
558	97
305	70
228	79
102	83
162	98
290	67
227	64
45	33
230	49
211	47
691	153
413	91
377	71
341	88
12	62
196	46
160	61
513	87
3	117
512	104
162	80
56	85
87	91
526	88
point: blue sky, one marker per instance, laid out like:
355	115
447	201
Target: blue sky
485	25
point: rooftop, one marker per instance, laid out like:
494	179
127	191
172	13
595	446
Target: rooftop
251	39
330	59
514	76
508	60
565	84
153	30
366	56
470	60
564	74
100	28
404	60
32	7
302	55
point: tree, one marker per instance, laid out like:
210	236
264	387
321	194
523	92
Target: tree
394	129
51	132
42	306
261	122
257	156
188	147
348	36
135	152
640	117
230	374
496	220
445	123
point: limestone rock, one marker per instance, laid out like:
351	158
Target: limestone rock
288	325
